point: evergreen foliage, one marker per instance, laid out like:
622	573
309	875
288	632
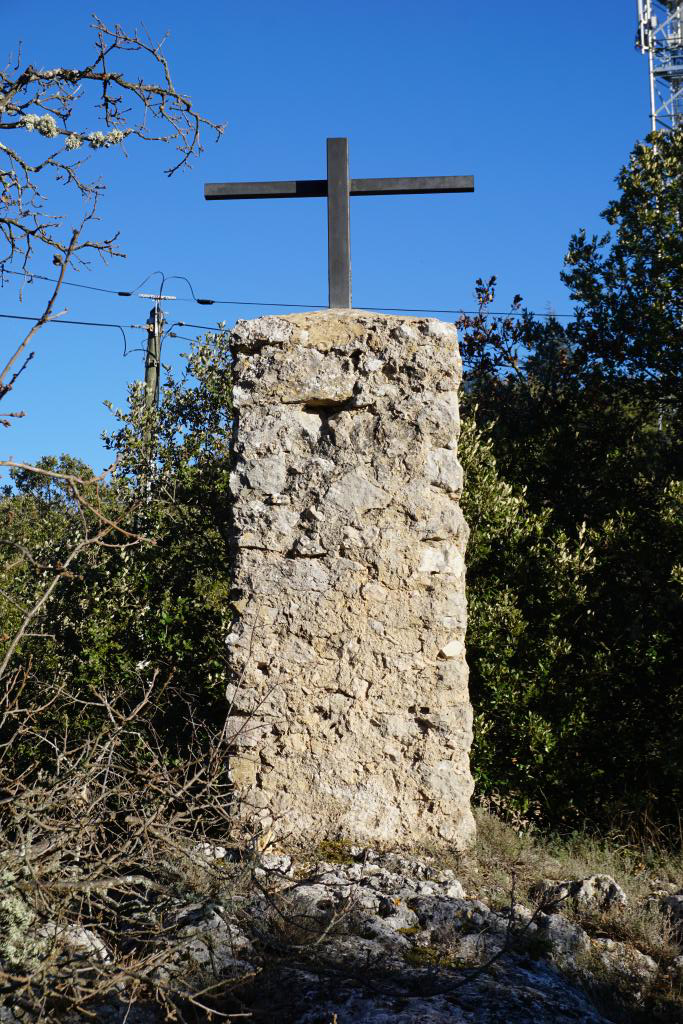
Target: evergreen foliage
582	427
156	608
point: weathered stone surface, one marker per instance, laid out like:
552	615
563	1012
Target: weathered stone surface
350	710
383	937
403	949
672	905
599	891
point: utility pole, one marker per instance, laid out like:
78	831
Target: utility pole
154	328
660	38
155	325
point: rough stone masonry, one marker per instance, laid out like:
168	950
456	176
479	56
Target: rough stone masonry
350	714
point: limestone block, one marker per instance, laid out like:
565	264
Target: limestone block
350	713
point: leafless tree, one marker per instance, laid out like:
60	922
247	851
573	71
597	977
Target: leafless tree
101	856
105	840
53	121
95	843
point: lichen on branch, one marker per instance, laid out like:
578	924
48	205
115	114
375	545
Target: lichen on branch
75	111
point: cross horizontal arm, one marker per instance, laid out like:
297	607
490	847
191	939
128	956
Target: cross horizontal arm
405	186
266	189
317	188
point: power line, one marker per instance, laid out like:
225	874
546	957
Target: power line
71	284
125	293
468	312
97	323
94	323
79	323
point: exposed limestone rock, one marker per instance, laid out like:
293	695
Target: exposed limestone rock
350	710
75	940
374	937
635	970
672	905
599	891
388	942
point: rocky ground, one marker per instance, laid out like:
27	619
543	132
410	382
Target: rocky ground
364	937
387	938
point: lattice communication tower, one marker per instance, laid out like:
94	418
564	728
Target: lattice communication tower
660	36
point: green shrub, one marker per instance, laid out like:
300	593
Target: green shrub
151	604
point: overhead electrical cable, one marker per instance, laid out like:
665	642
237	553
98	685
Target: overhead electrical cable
125	293
97	323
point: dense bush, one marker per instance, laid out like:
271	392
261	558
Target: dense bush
150	603
528	588
576	596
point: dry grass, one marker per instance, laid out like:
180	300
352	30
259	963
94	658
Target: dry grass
105	844
126	862
505	851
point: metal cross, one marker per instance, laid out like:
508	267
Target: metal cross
337	187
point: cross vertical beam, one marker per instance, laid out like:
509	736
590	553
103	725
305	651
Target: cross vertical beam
338	223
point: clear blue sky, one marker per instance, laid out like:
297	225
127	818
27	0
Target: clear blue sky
541	102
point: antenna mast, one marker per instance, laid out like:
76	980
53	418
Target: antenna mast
660	36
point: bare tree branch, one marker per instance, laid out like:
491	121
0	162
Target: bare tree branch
44	104
51	107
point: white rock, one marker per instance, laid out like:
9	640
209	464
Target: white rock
598	891
672	905
207	851
453	649
77	940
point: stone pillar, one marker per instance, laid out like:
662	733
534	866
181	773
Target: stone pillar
350	714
